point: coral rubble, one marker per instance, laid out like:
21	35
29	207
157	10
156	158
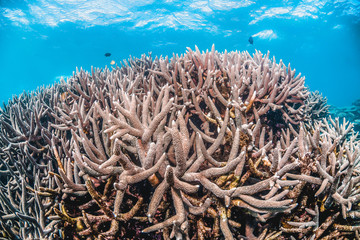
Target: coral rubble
204	145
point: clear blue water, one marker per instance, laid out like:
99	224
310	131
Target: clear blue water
42	40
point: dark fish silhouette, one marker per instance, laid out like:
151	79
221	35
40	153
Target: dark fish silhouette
107	54
251	40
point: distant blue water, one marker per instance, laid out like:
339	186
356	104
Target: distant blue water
42	40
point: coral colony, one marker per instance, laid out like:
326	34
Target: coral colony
351	113
204	145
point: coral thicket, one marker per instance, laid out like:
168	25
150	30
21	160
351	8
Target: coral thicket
204	145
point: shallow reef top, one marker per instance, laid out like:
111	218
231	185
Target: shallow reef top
204	145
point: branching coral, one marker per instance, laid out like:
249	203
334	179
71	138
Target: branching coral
316	106
351	113
176	148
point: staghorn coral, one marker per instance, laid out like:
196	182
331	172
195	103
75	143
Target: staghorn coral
351	113
177	148
316	107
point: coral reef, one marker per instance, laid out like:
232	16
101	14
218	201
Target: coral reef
351	113
204	145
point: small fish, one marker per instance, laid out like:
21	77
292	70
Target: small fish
107	54
251	40
63	96
112	62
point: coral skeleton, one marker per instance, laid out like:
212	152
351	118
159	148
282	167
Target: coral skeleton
204	145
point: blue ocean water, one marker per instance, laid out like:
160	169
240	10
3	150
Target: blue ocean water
44	40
